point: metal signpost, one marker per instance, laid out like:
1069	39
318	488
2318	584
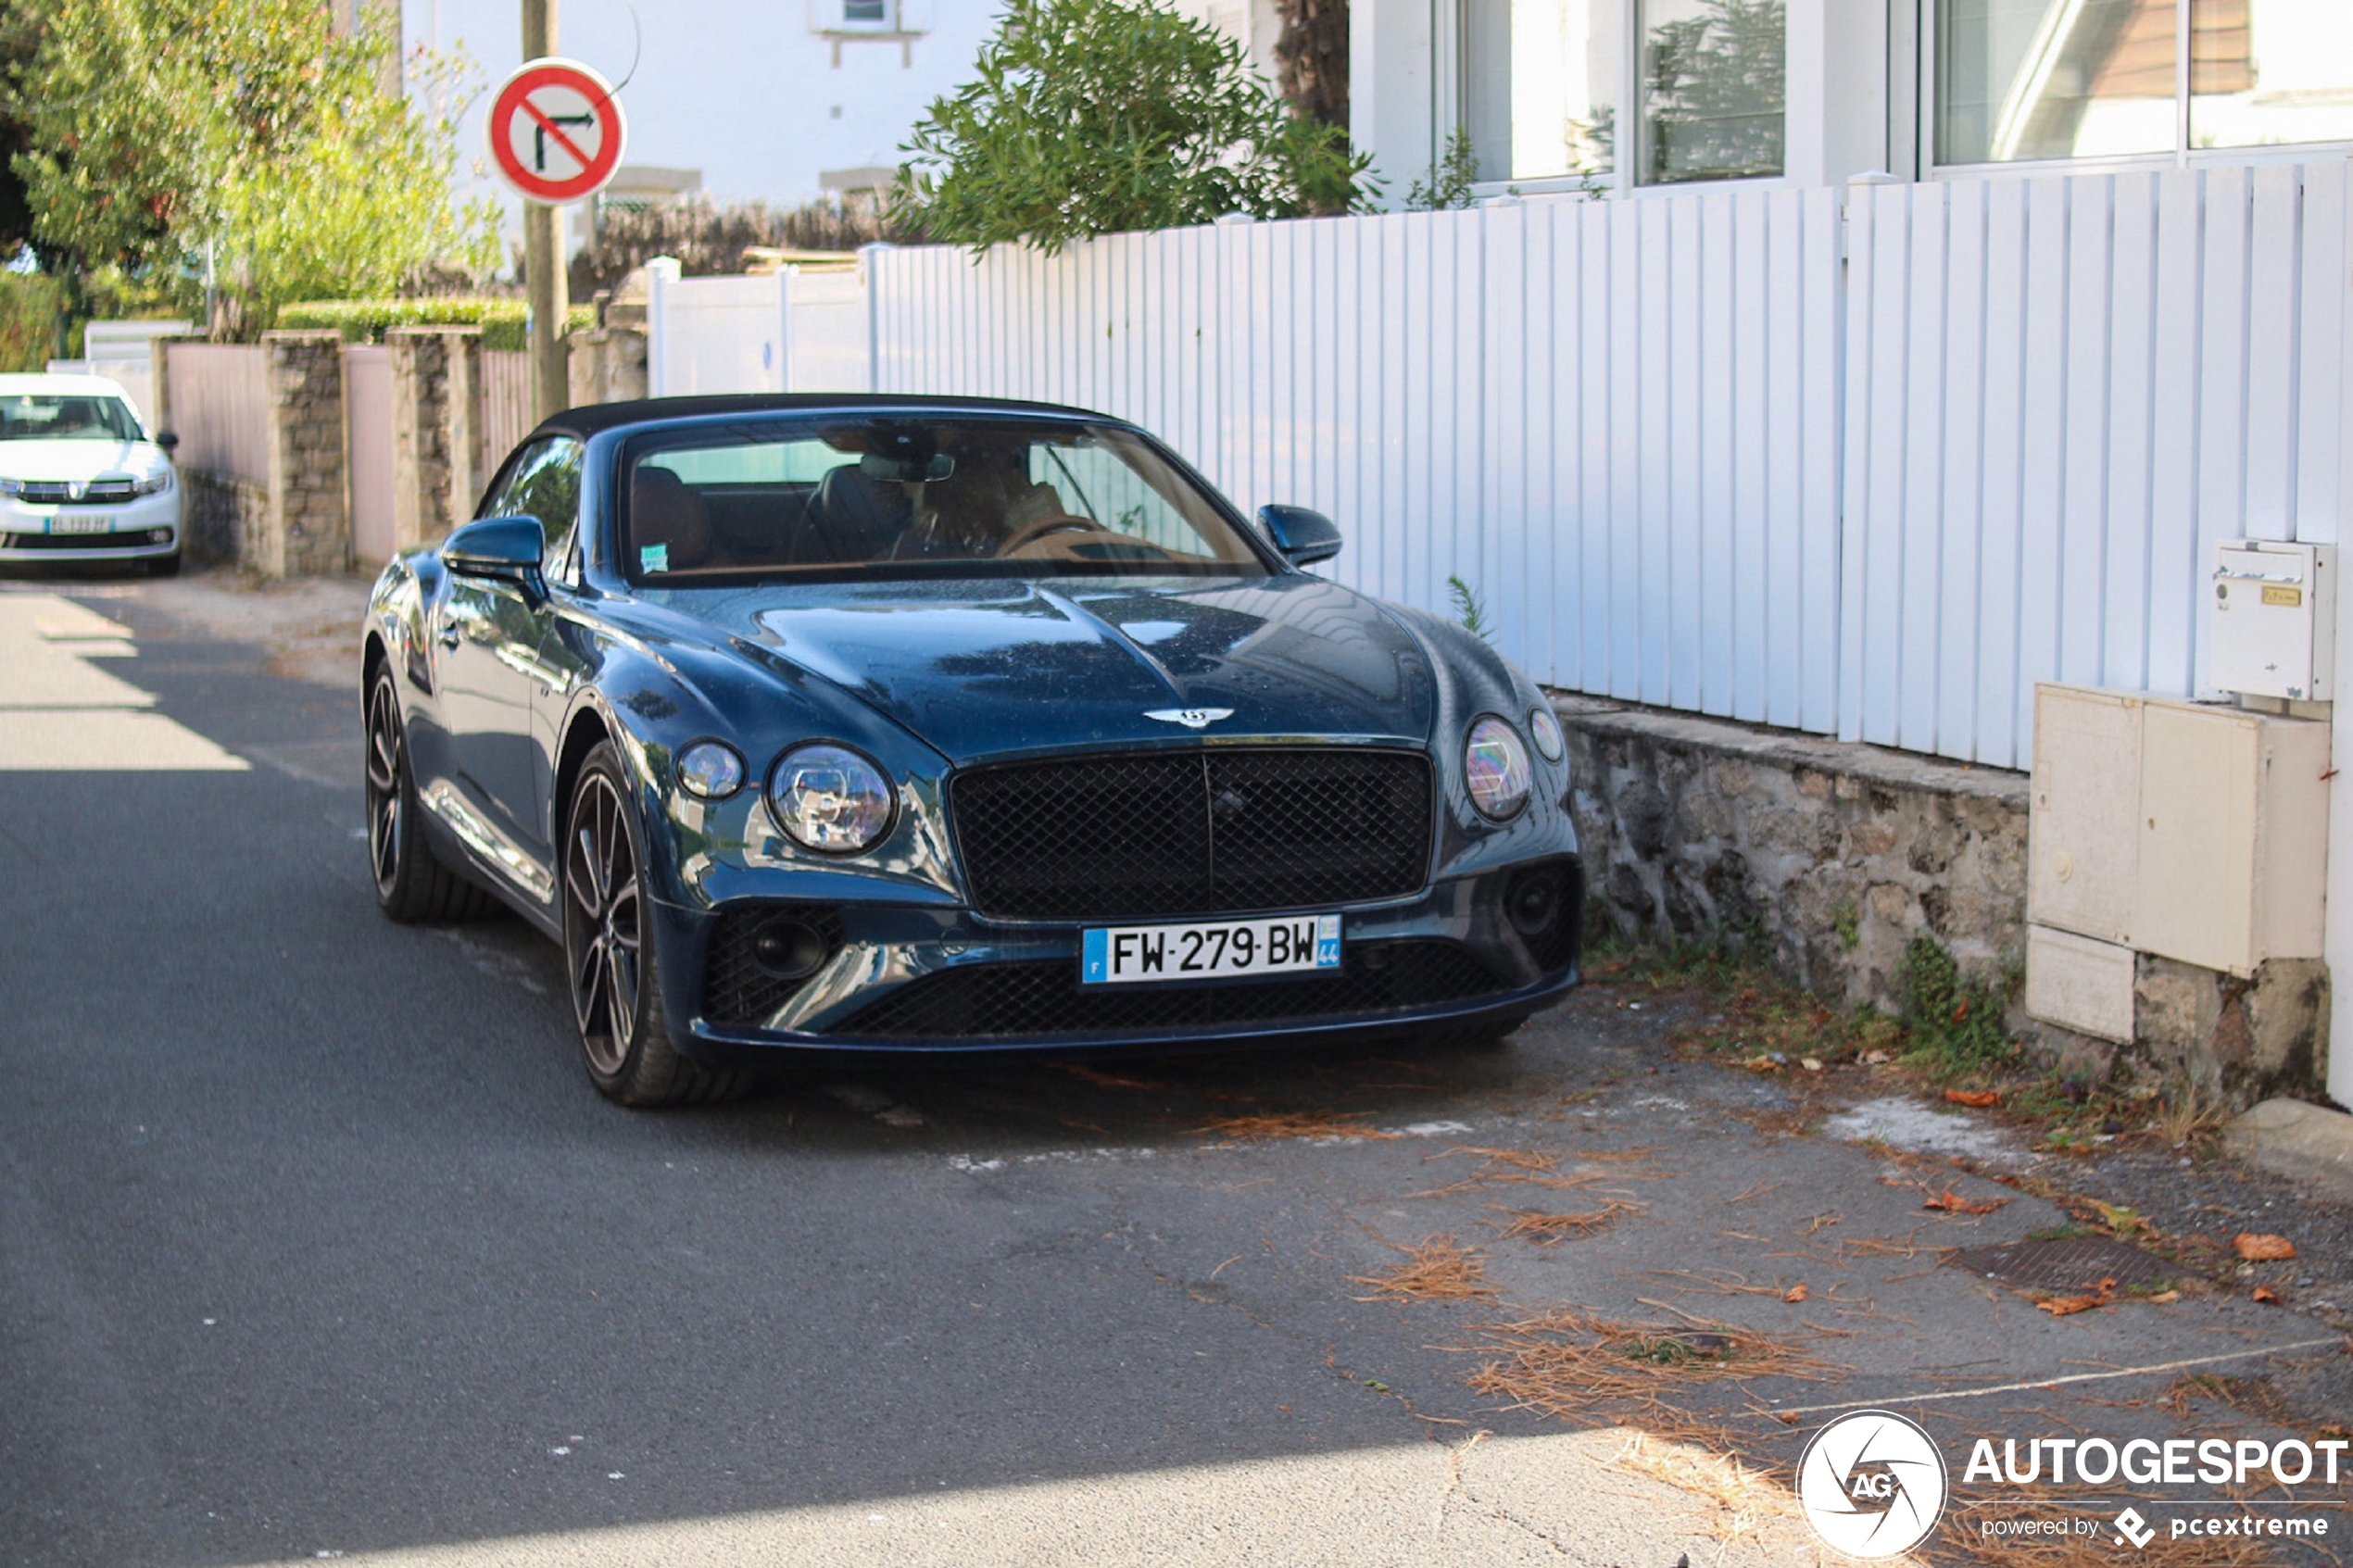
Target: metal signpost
555	131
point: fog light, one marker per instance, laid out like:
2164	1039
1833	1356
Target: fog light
1533	902
788	948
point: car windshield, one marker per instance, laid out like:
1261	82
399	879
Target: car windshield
67	417
911	496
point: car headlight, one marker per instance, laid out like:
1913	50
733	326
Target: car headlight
711	769
1495	767
1546	731
11	486
831	798
152	482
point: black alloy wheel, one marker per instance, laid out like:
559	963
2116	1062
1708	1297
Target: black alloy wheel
412	885
609	951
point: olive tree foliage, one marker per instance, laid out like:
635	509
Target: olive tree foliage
1094	117
246	142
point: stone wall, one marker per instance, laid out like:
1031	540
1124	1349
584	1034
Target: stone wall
608	365
217	512
436	430
308	530
1830	857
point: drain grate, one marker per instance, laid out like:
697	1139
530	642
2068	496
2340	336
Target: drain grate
2076	1263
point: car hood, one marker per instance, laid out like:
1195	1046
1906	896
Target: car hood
979	669
54	462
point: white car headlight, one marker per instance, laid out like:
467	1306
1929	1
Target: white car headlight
831	798
148	485
1495	768
1546	731
711	769
11	486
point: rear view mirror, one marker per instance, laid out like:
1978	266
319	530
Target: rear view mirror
168	439
497	546
894	470
1302	536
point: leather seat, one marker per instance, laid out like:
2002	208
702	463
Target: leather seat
853	519
663	512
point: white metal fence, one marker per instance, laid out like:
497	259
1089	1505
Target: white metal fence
219	402
2061	392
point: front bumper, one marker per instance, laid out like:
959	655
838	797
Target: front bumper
139	530
900	980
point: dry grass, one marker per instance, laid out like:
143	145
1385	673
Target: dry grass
1580	1367
1266	1127
1437	1270
1745	1498
1545	1229
2248	1395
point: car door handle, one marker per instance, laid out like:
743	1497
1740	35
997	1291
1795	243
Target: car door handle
450	634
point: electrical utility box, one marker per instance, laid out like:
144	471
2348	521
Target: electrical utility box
2192	831
2272	631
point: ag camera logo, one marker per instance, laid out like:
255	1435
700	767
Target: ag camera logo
1871	1485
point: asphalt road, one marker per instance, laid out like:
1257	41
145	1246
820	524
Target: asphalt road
314	1239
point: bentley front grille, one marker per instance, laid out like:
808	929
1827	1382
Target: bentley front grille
1207	832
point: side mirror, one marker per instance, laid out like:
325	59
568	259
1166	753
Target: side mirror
510	547
1302	536
168	439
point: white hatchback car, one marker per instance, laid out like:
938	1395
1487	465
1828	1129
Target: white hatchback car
81	478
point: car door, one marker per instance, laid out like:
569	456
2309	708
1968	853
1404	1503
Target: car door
488	635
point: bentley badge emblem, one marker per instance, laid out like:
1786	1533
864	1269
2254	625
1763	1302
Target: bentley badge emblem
1191	718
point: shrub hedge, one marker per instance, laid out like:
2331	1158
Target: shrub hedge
366	321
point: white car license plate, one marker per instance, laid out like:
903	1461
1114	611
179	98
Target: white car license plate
81	522
1118	954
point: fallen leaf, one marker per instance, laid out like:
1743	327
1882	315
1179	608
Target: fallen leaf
1786	1419
2262	1248
1796	1293
1980	1099
2120	1218
2266	1295
2163	1299
1951	1202
1811	1064
2062	1305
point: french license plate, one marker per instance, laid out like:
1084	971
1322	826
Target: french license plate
81	522
1117	954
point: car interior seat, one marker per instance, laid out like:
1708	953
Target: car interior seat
663	512
853	517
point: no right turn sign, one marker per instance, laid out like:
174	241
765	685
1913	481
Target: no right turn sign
555	130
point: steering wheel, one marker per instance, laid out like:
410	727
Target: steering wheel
1045	525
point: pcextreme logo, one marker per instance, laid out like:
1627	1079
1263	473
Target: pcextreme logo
1871	1485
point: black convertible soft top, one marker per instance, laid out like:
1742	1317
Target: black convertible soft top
594	418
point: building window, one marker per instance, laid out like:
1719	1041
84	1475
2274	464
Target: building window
1542	99
1712	75
2056	79
866	16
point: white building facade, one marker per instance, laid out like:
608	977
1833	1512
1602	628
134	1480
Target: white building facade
1634	97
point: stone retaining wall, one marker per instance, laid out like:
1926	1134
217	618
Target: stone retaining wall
307	531
1830	857
217	512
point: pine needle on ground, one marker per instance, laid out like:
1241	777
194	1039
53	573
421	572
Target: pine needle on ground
1437	1270
1546	1229
1294	1124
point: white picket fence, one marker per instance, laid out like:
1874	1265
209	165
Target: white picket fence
796	330
1867	462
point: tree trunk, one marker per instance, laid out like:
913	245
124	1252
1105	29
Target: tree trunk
1312	59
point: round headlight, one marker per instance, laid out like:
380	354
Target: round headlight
1495	767
830	798
1547	732
711	769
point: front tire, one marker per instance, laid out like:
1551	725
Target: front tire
609	951
412	885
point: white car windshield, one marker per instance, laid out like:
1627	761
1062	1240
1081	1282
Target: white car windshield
71	416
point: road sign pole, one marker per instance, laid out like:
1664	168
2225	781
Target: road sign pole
543	252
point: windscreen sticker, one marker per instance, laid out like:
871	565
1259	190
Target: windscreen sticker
653	558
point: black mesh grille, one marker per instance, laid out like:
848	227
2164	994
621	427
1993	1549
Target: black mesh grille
137	538
739	988
1193	833
980	1001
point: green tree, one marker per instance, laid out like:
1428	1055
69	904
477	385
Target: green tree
1717	84
1094	116
244	140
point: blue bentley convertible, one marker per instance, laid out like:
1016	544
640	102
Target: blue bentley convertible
906	725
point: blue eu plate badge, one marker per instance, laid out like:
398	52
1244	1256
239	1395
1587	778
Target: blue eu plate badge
1209	950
